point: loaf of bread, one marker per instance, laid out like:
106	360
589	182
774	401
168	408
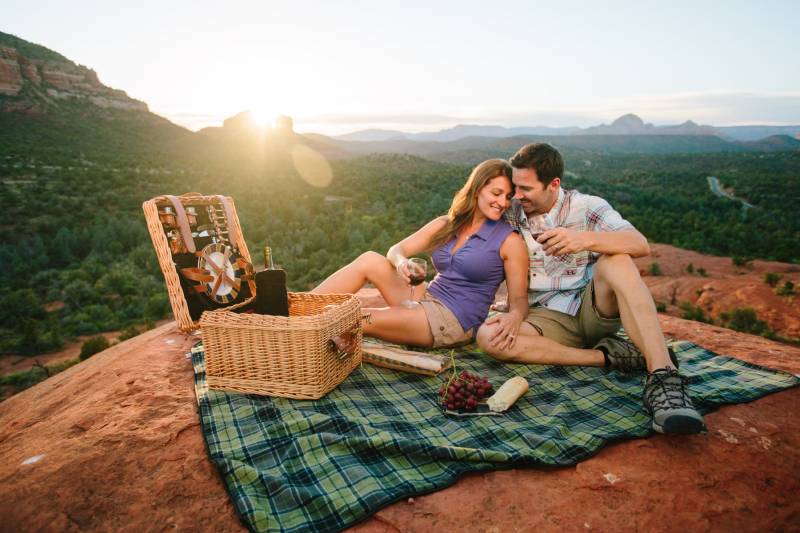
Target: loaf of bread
507	394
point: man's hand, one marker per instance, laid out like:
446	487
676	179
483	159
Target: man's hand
505	337
563	241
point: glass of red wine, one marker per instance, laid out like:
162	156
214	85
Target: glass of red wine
417	271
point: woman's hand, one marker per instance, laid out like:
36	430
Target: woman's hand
403	270
505	335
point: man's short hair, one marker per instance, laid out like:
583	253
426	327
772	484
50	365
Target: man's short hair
541	157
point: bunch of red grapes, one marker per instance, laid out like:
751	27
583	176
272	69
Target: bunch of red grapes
464	392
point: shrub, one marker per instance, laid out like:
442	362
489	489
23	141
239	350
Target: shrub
661	307
772	279
690	268
93	345
702	272
654	269
787	289
28	378
693	312
745	320
740	261
129	332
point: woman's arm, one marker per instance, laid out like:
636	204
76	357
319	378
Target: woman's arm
515	263
416	243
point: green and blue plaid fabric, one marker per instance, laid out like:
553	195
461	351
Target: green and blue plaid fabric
301	465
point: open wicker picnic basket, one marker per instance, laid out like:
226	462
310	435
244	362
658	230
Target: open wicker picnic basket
209	277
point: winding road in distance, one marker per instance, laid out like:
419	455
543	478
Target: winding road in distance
713	184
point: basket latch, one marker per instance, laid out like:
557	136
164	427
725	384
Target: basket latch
346	343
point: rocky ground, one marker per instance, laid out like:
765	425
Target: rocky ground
114	444
724	288
11	364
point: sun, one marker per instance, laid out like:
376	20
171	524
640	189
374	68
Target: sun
263	118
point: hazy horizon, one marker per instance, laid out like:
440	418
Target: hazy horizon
343	67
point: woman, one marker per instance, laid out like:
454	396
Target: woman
473	250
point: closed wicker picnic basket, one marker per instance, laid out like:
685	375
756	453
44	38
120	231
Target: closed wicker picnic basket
292	357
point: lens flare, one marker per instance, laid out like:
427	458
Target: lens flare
312	166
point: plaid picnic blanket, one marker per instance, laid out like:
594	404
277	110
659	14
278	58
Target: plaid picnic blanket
301	465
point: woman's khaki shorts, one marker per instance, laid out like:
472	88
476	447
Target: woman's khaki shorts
580	331
445	327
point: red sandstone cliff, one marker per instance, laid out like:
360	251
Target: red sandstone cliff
29	83
114	444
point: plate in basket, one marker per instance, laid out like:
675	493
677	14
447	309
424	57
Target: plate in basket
219	261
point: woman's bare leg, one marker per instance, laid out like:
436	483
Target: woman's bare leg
398	324
373	268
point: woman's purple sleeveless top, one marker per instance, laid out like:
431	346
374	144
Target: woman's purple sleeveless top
467	281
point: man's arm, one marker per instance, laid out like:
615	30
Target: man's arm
563	241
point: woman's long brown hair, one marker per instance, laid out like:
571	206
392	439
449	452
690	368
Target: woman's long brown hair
465	202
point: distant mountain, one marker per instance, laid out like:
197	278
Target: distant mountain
462	131
372	135
455	133
470	150
241	134
774	143
754	133
631	124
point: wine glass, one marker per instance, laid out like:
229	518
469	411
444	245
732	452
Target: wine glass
418	269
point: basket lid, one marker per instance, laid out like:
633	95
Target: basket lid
214	270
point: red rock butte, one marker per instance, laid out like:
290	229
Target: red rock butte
114	444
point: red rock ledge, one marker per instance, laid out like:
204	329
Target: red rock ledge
114	444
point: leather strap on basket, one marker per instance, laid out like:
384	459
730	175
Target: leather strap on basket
183	223
346	343
247	268
200	275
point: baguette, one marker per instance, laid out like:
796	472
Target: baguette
507	394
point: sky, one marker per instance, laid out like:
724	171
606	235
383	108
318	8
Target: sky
340	66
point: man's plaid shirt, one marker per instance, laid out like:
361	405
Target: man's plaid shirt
558	282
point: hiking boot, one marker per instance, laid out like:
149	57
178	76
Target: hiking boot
666	400
621	354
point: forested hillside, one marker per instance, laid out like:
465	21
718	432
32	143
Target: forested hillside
78	260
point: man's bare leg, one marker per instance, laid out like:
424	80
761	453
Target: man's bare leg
620	291
533	348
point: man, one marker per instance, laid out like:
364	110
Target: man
583	285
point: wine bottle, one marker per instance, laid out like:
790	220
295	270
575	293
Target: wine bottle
271	296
